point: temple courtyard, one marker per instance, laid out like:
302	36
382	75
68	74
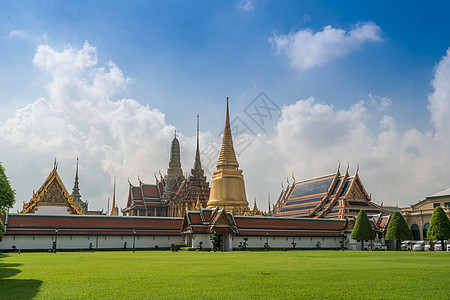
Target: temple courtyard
225	275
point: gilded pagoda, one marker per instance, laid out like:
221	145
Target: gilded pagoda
227	185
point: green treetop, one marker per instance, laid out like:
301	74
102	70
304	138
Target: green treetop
398	229
439	226
7	194
363	229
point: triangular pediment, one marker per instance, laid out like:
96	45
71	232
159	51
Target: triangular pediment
51	192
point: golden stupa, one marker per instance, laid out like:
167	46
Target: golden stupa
227	185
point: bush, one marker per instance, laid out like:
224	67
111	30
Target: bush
176	247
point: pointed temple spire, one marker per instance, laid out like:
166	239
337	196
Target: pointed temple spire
174	172
197	163
76	190
227	157
114	208
227	184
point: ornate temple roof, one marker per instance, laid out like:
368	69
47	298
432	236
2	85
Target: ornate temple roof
214	220
208	220
331	196
54	193
144	196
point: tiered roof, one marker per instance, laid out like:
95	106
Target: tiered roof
144	196
214	220
208	220
331	196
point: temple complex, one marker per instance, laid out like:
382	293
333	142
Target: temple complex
53	198
172	194
193	192
337	196
227	185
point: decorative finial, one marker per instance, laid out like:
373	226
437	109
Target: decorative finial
287	179
293	176
175	133
357	168
339	165
282	186
348	166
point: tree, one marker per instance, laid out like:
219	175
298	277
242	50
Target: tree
2	230
363	229
7	194
439	226
398	230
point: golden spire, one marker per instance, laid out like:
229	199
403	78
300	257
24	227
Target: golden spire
114	208
227	157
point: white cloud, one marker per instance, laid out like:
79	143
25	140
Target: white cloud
439	101
380	103
396	167
81	118
306	49
246	5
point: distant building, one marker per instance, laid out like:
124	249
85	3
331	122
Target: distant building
418	215
53	198
172	194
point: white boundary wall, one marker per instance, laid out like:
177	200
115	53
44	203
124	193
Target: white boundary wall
45	242
230	242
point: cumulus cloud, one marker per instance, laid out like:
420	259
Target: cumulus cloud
81	118
439	100
397	167
306	49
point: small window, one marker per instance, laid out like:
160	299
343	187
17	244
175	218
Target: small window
436	205
447	204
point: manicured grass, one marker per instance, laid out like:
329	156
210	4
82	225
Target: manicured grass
229	275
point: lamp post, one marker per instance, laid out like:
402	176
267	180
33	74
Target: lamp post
267	242
134	239
56	239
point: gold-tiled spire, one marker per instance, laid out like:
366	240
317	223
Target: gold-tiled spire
227	184
227	157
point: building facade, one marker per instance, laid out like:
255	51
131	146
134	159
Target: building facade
418	216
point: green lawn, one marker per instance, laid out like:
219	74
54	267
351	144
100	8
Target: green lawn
229	275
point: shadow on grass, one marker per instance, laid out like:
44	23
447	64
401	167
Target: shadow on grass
16	288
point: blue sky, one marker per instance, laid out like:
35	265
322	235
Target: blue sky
369	67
